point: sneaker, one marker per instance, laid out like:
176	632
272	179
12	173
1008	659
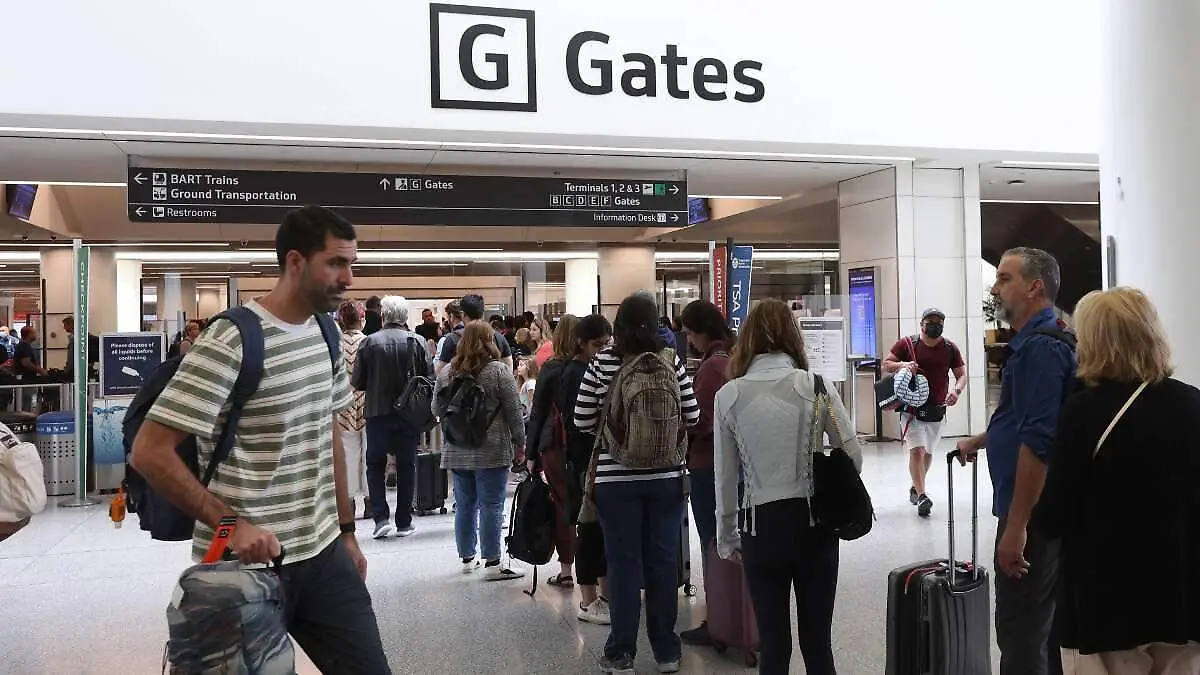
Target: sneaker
596	613
405	531
924	506
669	666
469	566
501	573
697	637
621	664
384	530
913	497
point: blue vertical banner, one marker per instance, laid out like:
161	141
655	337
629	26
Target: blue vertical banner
741	259
863	327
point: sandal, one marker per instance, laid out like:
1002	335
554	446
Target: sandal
561	581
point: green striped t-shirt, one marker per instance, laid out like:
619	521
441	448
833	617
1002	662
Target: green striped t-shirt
279	474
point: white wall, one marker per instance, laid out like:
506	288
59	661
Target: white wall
1017	76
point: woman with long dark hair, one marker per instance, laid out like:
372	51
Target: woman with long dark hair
770	418
640	509
481	473
708	333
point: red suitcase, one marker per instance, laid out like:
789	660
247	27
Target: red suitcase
730	612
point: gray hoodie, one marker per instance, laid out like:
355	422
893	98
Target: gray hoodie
764	426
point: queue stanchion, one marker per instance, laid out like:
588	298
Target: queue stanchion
877	371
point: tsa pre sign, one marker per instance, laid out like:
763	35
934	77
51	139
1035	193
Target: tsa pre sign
740	261
126	359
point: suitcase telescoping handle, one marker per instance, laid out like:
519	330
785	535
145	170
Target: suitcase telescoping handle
950	459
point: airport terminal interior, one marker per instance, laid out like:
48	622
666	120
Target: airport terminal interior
553	193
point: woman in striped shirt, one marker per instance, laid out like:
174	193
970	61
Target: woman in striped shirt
640	510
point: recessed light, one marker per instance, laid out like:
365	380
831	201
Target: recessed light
1016	181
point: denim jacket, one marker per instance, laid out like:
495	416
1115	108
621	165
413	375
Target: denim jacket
765	428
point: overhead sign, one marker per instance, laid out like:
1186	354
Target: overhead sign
126	359
172	195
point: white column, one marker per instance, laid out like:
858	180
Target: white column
129	296
58	271
1149	201
582	289
208	302
102	295
170	303
920	229
624	270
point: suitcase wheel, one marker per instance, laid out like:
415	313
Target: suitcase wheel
443	511
720	647
751	659
689	590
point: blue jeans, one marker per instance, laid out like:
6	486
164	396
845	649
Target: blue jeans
642	521
391	435
479	506
704	513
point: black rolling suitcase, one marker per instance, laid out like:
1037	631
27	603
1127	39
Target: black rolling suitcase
938	615
432	485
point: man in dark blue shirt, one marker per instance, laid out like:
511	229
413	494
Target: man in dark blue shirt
1037	374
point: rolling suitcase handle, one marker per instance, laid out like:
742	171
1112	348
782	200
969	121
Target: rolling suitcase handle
950	457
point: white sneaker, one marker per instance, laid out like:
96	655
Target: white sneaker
471	565
384	530
501	573
596	613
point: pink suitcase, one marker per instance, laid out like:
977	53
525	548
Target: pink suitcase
730	613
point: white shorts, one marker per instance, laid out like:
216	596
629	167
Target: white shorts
921	434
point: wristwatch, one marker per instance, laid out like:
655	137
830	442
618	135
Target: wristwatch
348	528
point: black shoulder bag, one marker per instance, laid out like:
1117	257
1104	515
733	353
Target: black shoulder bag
840	502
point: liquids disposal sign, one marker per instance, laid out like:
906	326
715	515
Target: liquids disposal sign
126	359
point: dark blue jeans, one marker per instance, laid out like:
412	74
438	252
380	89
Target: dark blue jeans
704	512
391	434
641	522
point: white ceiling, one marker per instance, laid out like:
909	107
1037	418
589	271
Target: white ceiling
1040	183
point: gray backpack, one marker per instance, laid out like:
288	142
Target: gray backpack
643	416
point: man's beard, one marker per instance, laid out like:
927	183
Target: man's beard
1003	314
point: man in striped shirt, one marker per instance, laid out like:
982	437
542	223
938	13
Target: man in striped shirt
638	505
285	479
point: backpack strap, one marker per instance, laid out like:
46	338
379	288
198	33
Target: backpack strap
250	374
333	339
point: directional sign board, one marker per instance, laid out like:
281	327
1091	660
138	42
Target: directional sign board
169	195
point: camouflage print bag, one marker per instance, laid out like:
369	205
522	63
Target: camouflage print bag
228	619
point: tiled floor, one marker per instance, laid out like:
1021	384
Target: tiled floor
80	597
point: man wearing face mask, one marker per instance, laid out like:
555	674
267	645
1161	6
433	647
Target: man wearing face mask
935	357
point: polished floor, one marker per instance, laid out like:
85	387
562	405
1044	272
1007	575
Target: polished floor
78	597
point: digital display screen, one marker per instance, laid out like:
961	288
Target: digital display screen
697	210
863	329
20	198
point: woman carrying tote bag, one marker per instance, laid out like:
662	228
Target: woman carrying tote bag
766	418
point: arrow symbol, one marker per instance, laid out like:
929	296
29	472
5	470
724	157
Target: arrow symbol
674	217
384	183
140	211
140	179
674	189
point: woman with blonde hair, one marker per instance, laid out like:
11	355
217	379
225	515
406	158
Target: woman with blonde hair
770	417
480	472
1124	487
541	341
352	422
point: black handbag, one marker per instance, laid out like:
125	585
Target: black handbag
929	413
415	403
840	502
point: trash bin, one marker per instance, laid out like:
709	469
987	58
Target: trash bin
56	446
24	425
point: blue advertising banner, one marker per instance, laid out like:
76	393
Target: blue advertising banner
740	260
863	329
126	359
108	437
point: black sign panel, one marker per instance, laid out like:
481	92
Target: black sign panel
233	196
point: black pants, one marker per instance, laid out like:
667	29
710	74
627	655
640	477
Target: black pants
392	435
782	555
590	565
1025	609
328	611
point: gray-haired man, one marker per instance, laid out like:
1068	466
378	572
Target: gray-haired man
384	361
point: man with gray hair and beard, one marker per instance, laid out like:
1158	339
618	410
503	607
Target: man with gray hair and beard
1038	372
385	360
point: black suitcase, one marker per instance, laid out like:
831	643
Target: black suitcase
938	615
432	485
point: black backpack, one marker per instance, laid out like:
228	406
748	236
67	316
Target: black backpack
415	403
531	524
466	421
156	514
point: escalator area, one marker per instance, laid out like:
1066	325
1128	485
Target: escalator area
1071	233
